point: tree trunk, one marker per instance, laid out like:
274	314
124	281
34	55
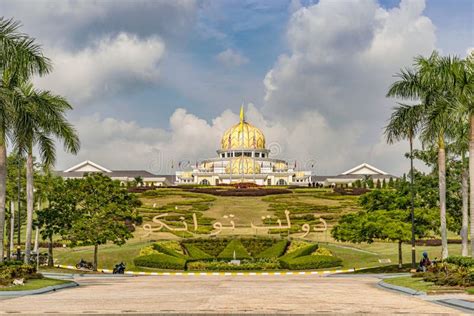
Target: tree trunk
3	183
400	256
465	208
442	196
471	182
12	229
96	251
29	204
50	251
412	207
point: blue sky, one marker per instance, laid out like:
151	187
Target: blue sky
163	79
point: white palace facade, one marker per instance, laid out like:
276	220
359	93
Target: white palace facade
243	158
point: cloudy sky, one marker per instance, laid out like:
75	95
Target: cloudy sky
159	81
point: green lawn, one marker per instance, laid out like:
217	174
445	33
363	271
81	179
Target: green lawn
34	284
413	283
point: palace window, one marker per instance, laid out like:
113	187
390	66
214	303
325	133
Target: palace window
257	155
238	154
263	155
247	154
281	182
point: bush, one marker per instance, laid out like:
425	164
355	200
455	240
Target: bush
160	247
197	254
305	251
234	247
211	246
467	262
10	271
225	266
313	262
255	246
322	252
297	244
274	251
160	261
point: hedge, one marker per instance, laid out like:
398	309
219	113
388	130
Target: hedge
313	262
167	251
467	262
225	266
160	261
197	254
235	246
286	259
256	245
16	270
274	251
211	246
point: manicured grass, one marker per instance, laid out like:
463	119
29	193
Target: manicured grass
34	284
413	283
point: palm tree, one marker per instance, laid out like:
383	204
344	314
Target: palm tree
40	117
427	84
460	147
404	124
20	58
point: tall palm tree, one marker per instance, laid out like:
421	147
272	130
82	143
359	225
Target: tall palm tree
462	84
404	124
426	84
460	147
40	117
20	58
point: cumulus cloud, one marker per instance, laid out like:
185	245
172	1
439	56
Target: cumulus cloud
105	67
231	58
341	60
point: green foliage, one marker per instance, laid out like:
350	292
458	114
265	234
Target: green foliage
297	244
275	251
467	262
211	246
234	247
256	245
149	250
313	262
171	248
322	252
225	266
16	270
197	254
300	252
160	261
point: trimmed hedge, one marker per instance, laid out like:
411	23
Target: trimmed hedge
234	246
286	259
197	254
313	262
160	261
211	246
224	266
167	251
274	251
256	245
16	270
467	262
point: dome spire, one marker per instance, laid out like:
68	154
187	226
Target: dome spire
242	114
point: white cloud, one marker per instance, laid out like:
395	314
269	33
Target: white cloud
341	61
231	58
105	67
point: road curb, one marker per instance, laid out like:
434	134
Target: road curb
43	290
401	289
228	273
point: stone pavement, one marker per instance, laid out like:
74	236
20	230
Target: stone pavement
299	294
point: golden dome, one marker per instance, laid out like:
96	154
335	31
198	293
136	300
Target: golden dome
280	166
242	165
243	136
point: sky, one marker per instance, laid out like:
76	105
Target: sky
157	82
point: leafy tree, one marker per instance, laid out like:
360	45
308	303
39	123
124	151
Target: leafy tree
59	216
20	58
39	118
391	225
103	213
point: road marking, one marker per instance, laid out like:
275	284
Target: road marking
281	273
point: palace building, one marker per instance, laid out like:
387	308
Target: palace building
243	157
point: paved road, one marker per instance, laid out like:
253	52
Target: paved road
223	294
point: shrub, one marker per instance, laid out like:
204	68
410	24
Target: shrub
322	252
148	250
167	251
286	259
313	262
467	262
16	270
160	261
211	246
255	246
197	254
297	244
225	266
274	251
234	247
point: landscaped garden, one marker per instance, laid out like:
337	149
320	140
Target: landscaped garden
223	254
